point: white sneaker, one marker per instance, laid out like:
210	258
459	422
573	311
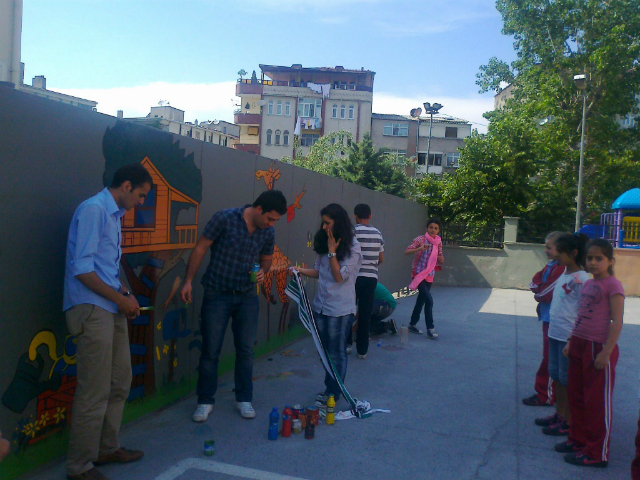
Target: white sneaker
202	412
348	349
431	333
246	409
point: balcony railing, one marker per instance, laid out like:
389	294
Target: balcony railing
487	236
280	83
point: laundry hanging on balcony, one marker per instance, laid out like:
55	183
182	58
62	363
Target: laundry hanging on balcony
323	88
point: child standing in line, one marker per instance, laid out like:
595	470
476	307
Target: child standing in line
593	354
427	258
542	286
570	252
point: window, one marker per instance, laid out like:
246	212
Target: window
270	110
629	121
278	133
451	132
252	130
269	132
400	153
435	159
334	112
279	108
287	109
453	159
342	111
351	111
285	137
421	157
145	214
198	135
396	129
352	86
309	107
308	139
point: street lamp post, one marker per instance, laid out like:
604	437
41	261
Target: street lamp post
415	113
430	109
581	83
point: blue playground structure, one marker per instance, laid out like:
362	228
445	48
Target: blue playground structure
623	231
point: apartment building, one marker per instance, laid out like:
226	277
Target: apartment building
399	133
171	119
295	100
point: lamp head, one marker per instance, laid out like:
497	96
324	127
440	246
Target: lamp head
580	81
426	105
437	106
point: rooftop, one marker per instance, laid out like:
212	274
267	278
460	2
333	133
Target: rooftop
403	118
297	67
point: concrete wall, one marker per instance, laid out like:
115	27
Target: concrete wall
54	156
515	265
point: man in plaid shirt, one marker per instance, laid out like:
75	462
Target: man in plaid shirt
237	238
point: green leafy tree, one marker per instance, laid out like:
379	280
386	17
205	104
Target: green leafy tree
373	169
323	154
523	168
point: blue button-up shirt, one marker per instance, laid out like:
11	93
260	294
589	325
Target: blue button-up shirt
234	251
93	246
336	299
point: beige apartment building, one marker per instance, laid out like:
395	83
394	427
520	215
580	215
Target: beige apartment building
309	102
399	133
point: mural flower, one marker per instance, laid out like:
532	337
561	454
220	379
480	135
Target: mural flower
30	429
60	414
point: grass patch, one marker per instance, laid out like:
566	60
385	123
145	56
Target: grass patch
55	446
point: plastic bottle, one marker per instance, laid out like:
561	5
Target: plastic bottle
331	409
286	421
404	334
274	417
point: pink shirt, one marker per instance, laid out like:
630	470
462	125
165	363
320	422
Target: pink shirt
594	314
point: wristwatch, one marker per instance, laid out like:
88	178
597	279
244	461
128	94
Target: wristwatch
330	254
127	293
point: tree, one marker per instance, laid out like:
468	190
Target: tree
525	169
373	169
242	73
322	154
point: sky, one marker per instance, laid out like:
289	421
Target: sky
128	55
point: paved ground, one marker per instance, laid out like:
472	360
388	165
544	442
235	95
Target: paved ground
455	402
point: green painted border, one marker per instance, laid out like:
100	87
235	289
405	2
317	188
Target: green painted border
55	446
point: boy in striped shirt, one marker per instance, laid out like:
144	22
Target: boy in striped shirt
372	245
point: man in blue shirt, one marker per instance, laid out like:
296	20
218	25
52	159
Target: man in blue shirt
238	238
96	307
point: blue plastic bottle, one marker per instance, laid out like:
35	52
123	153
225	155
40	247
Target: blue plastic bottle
274	418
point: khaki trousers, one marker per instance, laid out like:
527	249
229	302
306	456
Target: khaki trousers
104	380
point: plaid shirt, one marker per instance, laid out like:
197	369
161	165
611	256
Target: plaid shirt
234	251
415	264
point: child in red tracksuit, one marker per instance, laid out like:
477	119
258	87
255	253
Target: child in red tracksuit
593	355
542	286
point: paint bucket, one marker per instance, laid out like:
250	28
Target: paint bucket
209	447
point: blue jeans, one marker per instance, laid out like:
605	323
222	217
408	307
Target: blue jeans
558	363
333	333
424	298
217	308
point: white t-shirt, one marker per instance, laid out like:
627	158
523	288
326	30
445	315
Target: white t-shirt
565	304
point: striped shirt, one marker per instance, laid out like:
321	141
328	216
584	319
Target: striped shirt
372	244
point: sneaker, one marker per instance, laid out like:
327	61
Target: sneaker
534	401
567	447
348	349
414	329
582	460
431	333
393	328
548	421
559	429
202	412
321	399
362	357
246	409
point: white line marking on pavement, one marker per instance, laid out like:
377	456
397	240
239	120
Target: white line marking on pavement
212	466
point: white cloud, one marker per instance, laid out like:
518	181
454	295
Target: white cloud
209	101
202	101
469	108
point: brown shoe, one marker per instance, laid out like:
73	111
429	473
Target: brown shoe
122	455
92	474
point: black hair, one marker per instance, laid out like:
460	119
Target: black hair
362	211
605	247
342	230
271	200
568	242
134	173
435	220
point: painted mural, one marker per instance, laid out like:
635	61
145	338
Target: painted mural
156	238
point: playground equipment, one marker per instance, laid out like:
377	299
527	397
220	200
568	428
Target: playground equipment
622	231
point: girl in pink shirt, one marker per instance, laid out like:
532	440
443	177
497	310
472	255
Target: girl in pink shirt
593	354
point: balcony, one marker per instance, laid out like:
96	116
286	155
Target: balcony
246	118
245	87
246	147
248	87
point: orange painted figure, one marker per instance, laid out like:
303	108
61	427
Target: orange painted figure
269	176
291	209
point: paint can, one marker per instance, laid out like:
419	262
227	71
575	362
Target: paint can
209	447
296	411
254	273
296	426
313	412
